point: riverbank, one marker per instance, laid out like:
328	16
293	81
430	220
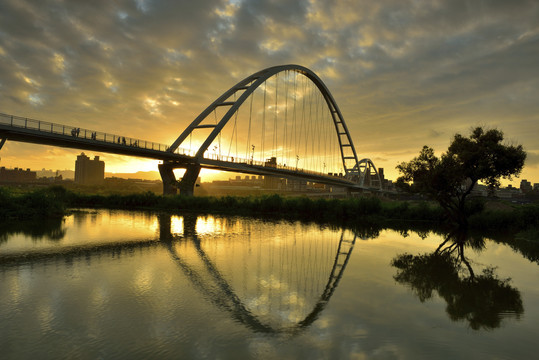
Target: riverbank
55	202
37	204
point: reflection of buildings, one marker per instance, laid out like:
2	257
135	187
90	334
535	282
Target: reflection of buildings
89	172
17	175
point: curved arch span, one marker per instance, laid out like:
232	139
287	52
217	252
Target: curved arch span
247	86
367	174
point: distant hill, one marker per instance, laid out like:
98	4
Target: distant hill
143	175
70	174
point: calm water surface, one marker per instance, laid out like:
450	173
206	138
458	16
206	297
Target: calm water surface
117	284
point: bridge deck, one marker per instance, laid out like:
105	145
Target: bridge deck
27	130
45	133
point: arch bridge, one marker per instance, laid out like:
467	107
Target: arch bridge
280	122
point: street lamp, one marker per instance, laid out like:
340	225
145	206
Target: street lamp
252	154
297	160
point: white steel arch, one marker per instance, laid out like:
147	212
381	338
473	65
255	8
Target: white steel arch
247	86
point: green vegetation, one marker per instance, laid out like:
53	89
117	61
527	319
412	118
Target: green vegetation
331	210
43	203
450	179
55	201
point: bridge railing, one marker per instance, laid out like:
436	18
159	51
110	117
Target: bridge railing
252	162
81	133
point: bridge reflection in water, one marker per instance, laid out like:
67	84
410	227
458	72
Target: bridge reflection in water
277	288
273	279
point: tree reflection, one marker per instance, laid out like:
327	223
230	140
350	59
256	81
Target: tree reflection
48	229
481	300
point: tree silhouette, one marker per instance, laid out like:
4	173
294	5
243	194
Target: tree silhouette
481	300
451	178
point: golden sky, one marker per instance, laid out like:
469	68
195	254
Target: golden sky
404	73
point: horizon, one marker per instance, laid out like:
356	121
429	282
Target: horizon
152	175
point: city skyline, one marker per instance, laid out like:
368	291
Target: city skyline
405	74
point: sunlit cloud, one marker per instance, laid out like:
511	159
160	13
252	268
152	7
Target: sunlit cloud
152	106
35	99
272	45
59	62
229	10
143	5
28	80
404	73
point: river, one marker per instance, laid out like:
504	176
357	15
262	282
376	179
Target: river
102	284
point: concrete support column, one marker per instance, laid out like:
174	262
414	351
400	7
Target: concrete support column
186	184
168	178
189	179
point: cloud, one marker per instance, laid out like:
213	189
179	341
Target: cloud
402	72
532	159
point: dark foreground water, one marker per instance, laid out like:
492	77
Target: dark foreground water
132	285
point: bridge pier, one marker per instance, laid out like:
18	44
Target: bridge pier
189	179
186	185
168	178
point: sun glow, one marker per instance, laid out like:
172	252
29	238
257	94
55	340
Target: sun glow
127	165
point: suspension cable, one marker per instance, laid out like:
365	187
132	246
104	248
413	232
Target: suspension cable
295	125
249	127
264	121
285	152
274	150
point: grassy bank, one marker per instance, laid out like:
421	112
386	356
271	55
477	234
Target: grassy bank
44	203
53	202
354	209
